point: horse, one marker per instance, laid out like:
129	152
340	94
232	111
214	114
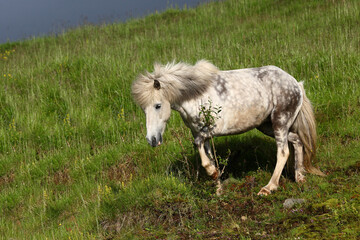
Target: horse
266	98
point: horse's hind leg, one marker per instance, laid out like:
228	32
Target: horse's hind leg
282	156
294	139
299	157
281	136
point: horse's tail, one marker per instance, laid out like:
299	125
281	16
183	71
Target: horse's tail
306	129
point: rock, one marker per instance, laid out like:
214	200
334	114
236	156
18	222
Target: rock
290	202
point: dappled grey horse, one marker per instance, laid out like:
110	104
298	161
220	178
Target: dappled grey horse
266	98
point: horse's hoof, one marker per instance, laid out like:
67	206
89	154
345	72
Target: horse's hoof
300	178
264	192
215	175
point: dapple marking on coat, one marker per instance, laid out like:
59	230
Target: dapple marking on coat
266	98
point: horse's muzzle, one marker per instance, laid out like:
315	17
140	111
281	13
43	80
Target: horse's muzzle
154	142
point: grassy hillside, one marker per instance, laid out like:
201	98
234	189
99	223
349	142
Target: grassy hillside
74	162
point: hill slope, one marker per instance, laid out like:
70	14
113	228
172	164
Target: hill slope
74	162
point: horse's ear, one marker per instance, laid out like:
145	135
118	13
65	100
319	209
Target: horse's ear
156	84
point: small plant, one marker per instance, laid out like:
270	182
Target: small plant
208	115
122	123
68	129
15	136
5	55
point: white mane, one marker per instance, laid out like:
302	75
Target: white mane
178	82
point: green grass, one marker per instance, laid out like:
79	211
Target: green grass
74	162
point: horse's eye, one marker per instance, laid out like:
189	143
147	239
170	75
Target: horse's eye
157	106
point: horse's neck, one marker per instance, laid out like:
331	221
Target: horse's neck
188	110
185	108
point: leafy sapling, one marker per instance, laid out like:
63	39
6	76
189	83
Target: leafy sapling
208	115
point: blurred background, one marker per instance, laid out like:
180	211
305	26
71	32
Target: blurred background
21	19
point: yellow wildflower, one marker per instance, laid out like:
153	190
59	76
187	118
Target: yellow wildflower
99	189
45	195
107	190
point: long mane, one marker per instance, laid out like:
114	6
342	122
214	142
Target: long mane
178	82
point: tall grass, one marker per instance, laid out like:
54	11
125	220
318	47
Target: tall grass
74	162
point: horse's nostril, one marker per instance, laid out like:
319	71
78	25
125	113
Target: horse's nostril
153	141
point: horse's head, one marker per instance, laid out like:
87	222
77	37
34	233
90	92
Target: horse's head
157	114
169	84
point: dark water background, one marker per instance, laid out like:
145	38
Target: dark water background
21	19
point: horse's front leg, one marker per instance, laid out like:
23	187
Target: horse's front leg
206	162
208	151
209	165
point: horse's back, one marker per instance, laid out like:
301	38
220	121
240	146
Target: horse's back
250	96
269	81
